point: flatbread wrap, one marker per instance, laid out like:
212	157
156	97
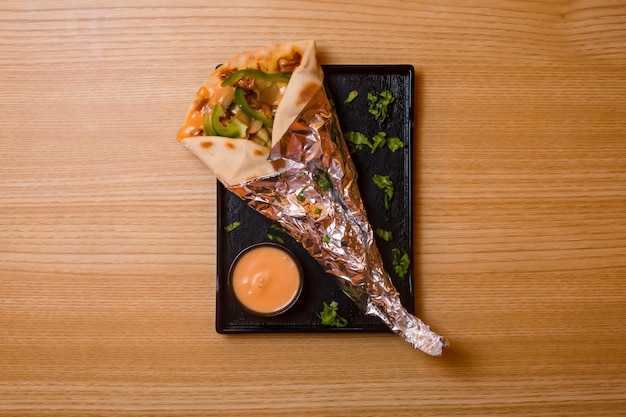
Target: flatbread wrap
254	96
265	126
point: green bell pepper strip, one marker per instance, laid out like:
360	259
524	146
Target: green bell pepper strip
206	124
235	129
272	77
240	99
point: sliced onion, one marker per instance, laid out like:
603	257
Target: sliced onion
255	126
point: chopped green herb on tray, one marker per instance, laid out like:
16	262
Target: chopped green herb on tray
379	104
379	141
386	185
277	228
401	262
351	96
394	144
330	317
357	141
385	235
232	226
273	237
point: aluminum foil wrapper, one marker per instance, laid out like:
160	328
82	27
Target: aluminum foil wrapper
315	198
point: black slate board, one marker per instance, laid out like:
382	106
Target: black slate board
319	286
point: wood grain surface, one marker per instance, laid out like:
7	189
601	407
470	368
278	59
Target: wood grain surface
108	225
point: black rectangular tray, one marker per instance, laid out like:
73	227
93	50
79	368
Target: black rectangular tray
319	286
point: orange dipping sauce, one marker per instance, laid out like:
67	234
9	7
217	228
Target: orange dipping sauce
266	279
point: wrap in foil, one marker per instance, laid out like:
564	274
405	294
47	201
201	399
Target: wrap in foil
331	221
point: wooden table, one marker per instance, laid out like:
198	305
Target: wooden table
108	225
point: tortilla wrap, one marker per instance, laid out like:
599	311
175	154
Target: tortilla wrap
234	160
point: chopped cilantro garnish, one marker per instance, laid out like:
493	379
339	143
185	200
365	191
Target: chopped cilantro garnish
330	317
326	239
232	226
394	144
351	96
378	141
322	180
379	104
385	235
384	183
317	210
273	237
401	262
357	141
